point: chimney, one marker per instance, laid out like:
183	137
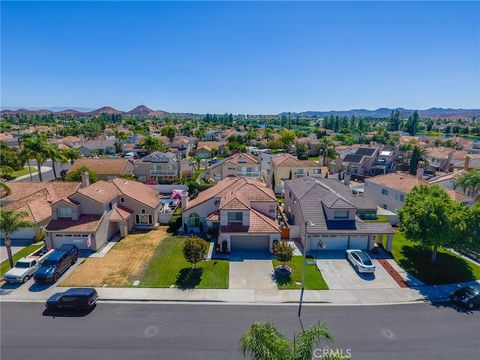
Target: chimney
346	180
420	172
184	200
449	160
85	179
466	165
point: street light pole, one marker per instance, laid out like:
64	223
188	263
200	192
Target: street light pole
307	223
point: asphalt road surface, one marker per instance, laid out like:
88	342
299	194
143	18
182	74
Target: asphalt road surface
184	331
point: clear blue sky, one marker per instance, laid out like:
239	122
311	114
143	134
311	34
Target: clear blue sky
241	57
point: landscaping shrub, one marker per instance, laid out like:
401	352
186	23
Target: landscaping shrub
174	223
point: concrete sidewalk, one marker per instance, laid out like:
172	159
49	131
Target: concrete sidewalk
259	296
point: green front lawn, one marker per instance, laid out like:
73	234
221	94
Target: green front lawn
380	218
168	267
23	171
449	267
5	266
313	278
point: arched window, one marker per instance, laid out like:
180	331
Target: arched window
194	220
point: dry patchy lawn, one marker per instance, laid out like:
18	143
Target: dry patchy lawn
121	265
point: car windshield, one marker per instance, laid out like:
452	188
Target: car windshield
365	259
469	292
22	265
49	263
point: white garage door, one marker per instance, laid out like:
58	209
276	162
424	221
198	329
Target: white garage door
329	243
80	240
249	243
358	242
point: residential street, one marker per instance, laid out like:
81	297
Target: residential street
183	331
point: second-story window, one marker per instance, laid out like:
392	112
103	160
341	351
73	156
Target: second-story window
340	214
65	212
122	199
110	207
384	191
235	217
271	208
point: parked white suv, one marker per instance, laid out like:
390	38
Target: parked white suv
26	266
360	260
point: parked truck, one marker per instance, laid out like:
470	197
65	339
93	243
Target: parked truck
27	266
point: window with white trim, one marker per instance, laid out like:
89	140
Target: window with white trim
235	217
65	212
340	214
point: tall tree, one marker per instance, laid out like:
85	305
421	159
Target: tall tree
36	148
151	144
431	218
470	182
56	155
418	155
10	222
71	154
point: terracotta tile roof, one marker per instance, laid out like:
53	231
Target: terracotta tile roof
288	160
259	223
237	159
443	153
137	191
121	213
227	189
36	198
214	216
102	166
101	191
211	144
85	223
398	181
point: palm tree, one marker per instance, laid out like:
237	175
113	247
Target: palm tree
36	148
151	144
325	148
120	138
71	154
419	155
263	341
10	222
56	154
470	181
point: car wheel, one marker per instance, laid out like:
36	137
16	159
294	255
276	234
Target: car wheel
25	279
470	306
356	268
455	298
55	277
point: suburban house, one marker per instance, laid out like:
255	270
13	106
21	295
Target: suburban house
329	219
469	163
442	159
157	166
35	199
287	166
243	211
98	146
388	191
312	142
240	164
98	212
360	162
106	169
205	148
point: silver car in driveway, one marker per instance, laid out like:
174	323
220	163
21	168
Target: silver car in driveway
360	260
26	266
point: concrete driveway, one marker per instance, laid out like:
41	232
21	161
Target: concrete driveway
251	273
339	273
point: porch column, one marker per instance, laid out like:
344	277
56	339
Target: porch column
379	239
371	239
388	247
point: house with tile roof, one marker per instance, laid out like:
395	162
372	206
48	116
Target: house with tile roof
98	212
361	161
242	210
205	149
106	169
388	191
327	220
286	167
35	199
240	164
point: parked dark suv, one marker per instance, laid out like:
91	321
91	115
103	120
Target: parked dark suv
75	299
57	263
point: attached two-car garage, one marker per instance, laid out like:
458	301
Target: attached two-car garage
249	243
82	241
339	242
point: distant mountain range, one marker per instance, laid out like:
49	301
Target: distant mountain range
140	110
385	112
